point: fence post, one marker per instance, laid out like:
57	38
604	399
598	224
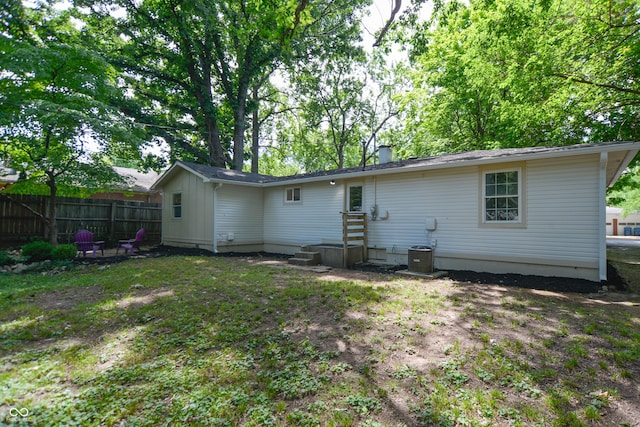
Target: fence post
112	222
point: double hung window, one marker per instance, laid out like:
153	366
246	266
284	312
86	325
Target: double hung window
177	205
502	196
293	195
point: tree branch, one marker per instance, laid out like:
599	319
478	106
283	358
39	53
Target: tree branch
24	205
578	79
394	12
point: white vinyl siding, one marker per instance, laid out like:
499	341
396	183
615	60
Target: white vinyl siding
317	220
561	209
450	196
239	215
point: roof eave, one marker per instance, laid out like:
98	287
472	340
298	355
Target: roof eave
169	172
232	181
623	165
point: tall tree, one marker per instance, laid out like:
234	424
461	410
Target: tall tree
343	104
189	65
55	114
520	73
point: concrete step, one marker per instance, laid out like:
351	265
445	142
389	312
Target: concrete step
302	261
308	255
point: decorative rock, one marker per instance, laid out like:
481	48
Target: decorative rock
19	268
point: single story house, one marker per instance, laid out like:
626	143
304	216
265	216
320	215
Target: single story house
537	210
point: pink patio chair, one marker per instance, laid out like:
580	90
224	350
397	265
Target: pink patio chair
131	244
84	242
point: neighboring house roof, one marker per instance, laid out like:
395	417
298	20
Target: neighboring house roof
621	154
8	176
137	181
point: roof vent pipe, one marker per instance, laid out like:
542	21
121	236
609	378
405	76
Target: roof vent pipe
384	154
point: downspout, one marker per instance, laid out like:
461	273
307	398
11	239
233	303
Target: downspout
602	216
216	187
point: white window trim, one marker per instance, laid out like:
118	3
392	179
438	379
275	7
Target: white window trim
520	222
292	201
173	205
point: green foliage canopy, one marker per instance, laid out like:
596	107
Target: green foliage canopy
56	118
189	66
521	73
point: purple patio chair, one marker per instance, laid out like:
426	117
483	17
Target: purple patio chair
84	242
131	244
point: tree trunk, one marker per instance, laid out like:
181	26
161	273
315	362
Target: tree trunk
216	152
51	229
255	132
238	135
240	120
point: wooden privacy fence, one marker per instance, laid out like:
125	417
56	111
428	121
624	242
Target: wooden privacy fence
109	220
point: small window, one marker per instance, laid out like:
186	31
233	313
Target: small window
177	205
355	199
293	195
502	198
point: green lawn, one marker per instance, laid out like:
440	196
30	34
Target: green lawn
228	342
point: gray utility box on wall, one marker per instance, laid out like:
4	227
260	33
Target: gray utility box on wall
420	259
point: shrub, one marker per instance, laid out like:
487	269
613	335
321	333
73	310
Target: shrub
37	251
5	259
64	252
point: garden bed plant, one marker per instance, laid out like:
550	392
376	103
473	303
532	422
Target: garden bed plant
37	256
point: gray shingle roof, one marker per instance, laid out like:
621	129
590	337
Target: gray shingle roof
443	159
212	172
439	161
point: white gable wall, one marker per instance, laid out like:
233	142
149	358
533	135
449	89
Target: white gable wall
195	228
238	215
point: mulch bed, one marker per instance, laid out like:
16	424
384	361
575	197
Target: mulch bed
555	284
